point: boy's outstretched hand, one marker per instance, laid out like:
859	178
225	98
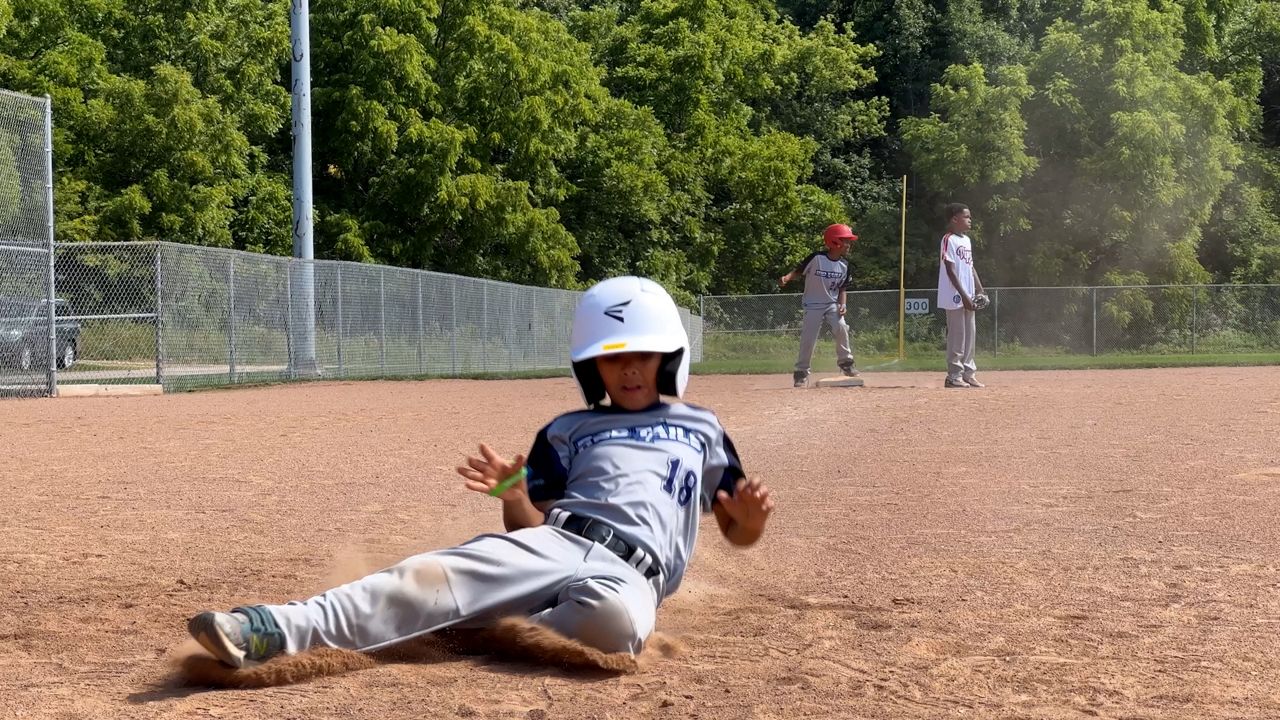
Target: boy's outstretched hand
742	515
484	473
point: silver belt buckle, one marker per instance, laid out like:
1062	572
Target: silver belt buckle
608	533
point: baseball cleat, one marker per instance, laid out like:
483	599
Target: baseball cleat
239	638
849	371
955	384
800	380
973	382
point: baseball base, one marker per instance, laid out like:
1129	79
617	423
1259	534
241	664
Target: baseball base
92	390
840	382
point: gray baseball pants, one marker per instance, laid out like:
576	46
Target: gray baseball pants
813	319
962	331
555	578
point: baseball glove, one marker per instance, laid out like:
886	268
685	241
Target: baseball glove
981	301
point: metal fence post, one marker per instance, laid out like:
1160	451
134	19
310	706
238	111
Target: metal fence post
288	317
52	290
484	333
51	317
420	368
995	304
342	369
303	350
231	319
159	315
1094	293
1194	293
531	338
453	324
382	321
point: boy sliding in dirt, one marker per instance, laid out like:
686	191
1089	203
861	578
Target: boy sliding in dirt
601	518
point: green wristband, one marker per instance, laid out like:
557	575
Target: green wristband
510	482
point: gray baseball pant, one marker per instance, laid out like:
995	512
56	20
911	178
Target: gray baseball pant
962	331
555	578
813	319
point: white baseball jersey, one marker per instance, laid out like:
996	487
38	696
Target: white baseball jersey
824	278
647	473
958	249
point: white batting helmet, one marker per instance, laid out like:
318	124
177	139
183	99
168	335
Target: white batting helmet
628	314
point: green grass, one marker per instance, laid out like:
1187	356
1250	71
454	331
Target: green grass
1031	362
779	361
783	365
765	355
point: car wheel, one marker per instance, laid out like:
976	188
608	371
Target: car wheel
26	358
68	357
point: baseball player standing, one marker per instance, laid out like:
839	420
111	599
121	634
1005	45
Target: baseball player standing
826	284
601	519
958	285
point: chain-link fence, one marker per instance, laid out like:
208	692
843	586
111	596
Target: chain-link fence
26	234
109	291
187	316
1019	321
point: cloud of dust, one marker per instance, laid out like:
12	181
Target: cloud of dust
509	639
349	564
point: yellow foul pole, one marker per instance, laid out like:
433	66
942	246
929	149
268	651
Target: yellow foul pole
902	277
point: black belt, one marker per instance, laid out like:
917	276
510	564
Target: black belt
603	533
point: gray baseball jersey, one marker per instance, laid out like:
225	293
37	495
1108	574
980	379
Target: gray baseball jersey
824	278
646	473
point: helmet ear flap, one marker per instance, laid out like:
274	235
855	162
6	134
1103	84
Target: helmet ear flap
588	376
669	371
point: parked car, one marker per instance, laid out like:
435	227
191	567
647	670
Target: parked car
24	334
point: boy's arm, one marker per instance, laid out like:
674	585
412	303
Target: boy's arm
844	290
796	271
519	513
486	472
743	515
955	283
977	282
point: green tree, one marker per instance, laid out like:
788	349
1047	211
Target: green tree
233	51
974	142
1131	151
973	148
623	209
764	123
446	128
1242	238
153	138
1134	150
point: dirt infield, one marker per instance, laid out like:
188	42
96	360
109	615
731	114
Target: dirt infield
1057	545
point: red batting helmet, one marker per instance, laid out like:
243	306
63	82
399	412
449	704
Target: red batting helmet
835	235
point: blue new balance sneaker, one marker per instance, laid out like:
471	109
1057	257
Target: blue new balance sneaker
242	637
